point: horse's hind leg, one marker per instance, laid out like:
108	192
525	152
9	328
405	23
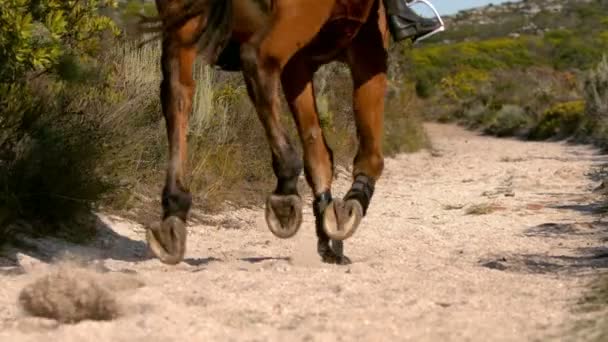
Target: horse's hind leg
367	59
168	240
294	23
297	80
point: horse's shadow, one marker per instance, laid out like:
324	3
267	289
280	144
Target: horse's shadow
583	259
105	244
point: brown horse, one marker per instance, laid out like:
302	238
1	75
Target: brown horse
274	41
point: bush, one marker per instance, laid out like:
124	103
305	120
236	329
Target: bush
50	79
463	84
477	115
568	50
508	121
424	89
561	120
35	35
51	166
596	91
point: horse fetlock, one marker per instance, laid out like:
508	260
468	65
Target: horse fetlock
341	218
287	168
176	203
320	203
284	215
333	254
362	191
329	255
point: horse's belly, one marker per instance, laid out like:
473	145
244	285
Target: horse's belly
333	37
346	19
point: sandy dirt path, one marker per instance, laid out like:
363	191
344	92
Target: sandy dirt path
481	239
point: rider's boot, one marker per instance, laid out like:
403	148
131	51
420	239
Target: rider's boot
404	23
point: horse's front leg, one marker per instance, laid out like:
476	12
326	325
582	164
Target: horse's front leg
284	205
297	80
168	241
367	59
294	23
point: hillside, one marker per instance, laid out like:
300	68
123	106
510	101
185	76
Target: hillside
534	17
529	68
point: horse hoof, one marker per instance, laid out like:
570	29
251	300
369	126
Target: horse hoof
168	241
341	219
331	257
284	215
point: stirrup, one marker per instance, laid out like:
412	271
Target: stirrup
441	27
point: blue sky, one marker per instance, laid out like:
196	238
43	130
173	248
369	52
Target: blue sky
445	7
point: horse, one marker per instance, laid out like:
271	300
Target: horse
273	43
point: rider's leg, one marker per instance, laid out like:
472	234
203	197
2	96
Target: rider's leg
404	23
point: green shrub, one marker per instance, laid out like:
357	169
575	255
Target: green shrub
574	52
561	120
424	88
508	121
463	84
477	115
50	79
35	35
52	163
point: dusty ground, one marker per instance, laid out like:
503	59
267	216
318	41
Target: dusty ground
482	239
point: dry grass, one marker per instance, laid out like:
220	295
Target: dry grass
452	206
73	291
69	296
220	133
404	132
483	209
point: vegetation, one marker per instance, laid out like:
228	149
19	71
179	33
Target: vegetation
482	209
549	82
561	120
49	79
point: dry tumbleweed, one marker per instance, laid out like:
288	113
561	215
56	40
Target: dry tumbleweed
69	295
